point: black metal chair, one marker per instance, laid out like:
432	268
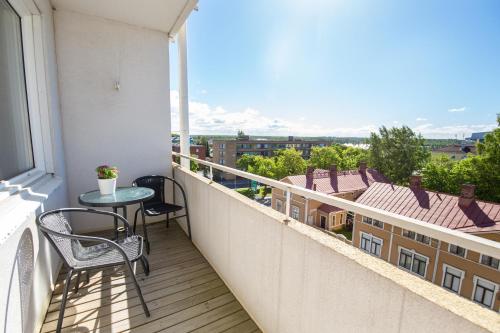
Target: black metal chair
158	205
78	257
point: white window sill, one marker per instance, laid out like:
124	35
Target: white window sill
16	208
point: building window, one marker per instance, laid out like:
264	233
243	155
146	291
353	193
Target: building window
279	205
371	244
452	278
490	261
16	146
413	262
418	237
457	250
221	154
423	239
370	221
484	292
322	221
295	212
222	146
221	162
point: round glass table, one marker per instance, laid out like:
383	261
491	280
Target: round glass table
123	197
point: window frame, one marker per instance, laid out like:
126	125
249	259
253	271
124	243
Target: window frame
462	275
292	212
495	290
413	253
481	262
369	238
465	251
37	96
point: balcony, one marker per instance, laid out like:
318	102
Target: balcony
183	293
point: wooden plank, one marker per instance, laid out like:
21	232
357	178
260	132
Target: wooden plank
128	308
183	315
245	327
224	323
203	319
91	300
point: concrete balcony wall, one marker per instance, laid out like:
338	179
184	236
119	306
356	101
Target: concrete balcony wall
293	278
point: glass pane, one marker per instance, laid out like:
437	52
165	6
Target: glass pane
488	297
456	284
15	137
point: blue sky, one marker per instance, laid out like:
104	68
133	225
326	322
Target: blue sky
342	68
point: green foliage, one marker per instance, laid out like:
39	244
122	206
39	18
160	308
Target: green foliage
106	172
397	153
193	166
482	170
265	167
264	190
346	158
289	162
245	161
247	192
241	133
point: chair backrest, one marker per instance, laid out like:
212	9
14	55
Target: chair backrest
156	183
55	221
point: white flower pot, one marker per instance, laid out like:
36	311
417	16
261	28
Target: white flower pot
107	186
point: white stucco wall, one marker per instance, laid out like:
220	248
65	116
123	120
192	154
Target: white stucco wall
294	278
128	128
20	209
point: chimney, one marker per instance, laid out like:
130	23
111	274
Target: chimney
362	166
309	173
416	182
333	170
466	195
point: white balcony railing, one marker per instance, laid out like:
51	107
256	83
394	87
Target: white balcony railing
468	241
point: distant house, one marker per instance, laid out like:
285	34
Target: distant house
343	184
473	275
478	136
456	151
200	151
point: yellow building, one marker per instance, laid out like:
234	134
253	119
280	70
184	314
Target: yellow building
468	273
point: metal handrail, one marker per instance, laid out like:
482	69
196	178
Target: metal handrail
468	241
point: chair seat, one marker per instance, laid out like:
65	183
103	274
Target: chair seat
161	208
104	254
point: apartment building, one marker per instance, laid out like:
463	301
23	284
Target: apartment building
199	151
227	152
467	273
343	184
456	151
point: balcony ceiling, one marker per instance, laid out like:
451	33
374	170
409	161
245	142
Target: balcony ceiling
162	15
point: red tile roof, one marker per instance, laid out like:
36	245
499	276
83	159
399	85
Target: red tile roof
432	207
346	181
329	209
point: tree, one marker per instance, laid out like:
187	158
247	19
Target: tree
240	133
346	158
203	141
245	161
437	175
289	162
397	153
324	157
265	167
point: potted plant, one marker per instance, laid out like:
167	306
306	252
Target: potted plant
106	177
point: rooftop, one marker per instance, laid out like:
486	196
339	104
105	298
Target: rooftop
433	207
345	181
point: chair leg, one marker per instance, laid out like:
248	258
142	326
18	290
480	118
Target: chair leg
138	288
145	265
188	221
63	302
87	280
168	219
135	219
77	282
144	227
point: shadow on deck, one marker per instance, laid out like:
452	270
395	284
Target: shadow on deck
183	293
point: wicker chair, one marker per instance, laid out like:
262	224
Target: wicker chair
104	253
157	205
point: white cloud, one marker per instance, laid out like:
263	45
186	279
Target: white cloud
451	131
462	109
205	119
421	119
203	92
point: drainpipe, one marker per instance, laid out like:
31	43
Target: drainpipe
183	96
306	211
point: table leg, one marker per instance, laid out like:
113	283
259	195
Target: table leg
144	228
125	217
115	210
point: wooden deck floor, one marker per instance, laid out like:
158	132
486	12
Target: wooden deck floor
183	293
